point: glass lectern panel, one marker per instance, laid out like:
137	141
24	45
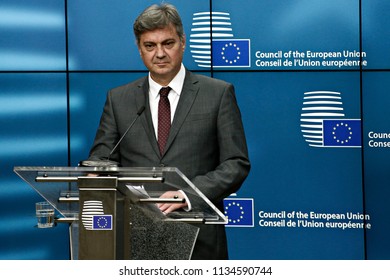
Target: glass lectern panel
59	186
115	213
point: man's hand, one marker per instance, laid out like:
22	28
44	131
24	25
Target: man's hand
170	207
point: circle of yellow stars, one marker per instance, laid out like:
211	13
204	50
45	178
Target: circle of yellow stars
345	126
102	222
235	204
223	53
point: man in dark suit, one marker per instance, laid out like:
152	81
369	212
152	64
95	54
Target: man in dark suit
206	139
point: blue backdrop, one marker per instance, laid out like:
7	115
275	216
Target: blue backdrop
307	73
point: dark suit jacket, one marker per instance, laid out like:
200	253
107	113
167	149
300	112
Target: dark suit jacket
206	142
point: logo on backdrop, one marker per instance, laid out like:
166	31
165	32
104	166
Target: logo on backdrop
324	124
93	216
239	212
212	42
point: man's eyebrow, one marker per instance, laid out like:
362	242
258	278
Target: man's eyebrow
165	41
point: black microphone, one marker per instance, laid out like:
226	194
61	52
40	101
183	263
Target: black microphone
140	111
108	162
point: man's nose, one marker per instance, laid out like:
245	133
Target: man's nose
160	52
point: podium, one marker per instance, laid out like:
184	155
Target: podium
112	211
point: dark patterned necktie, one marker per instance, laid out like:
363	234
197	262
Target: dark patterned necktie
164	118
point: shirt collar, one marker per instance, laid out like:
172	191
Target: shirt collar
176	84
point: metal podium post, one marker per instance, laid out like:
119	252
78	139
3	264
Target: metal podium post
98	214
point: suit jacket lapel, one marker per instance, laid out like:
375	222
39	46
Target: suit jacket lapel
142	99
187	97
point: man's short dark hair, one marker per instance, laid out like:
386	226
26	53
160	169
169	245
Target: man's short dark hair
156	17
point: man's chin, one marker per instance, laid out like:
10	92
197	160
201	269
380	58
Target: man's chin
162	73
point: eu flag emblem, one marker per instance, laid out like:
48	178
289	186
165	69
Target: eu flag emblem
231	53
102	222
239	212
342	133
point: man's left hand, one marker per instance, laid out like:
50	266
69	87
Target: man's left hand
167	208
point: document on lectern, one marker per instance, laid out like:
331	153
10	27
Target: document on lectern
138	191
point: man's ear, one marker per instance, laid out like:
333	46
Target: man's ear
183	42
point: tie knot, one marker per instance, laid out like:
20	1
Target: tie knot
164	91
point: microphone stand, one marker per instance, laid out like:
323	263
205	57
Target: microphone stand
108	162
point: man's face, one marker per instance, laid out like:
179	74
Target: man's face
162	53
